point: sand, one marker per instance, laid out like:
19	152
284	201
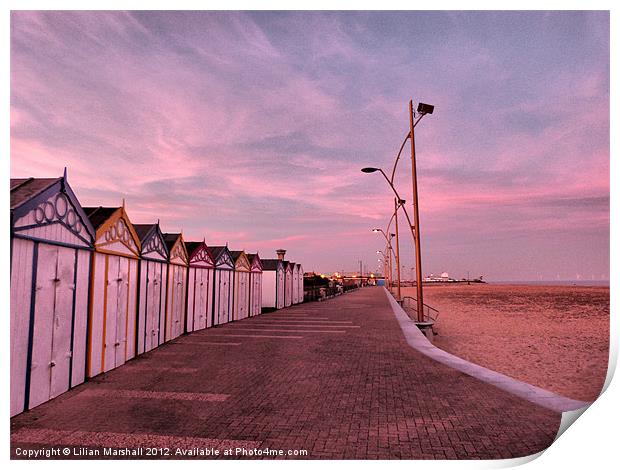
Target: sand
554	337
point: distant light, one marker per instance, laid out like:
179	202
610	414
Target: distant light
376	229
369	169
424	108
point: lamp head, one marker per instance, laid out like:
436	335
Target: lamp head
376	230
369	169
424	108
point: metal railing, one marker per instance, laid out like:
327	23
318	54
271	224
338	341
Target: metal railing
410	306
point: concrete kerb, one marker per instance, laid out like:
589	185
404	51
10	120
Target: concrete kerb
416	339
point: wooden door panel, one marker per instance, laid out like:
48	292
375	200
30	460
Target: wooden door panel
63	318
40	372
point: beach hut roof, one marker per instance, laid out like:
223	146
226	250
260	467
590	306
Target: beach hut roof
193	246
176	247
271	264
236	254
24	189
255	261
45	201
199	254
171	239
221	255
144	230
153	244
99	215
242	263
113	229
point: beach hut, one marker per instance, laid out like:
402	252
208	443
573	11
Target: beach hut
199	286
295	284
288	283
152	270
272	290
256	284
51	239
113	290
222	284
300	283
176	287
241	285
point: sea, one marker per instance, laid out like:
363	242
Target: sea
570	282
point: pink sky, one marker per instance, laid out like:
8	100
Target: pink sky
251	129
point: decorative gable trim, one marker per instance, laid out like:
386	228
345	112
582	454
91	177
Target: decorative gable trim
201	257
225	261
154	246
55	206
118	230
257	266
178	254
242	264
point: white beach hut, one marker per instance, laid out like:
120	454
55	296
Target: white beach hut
295	284
222	285
176	287
199	286
113	290
288	283
272	291
256	284
241	289
153	269
300	283
51	239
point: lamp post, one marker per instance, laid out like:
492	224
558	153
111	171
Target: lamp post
414	118
388	263
423	109
390	251
396	205
372	170
387	268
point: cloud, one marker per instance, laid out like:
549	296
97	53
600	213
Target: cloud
252	127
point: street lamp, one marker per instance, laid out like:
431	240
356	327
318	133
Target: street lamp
397	204
422	110
387	259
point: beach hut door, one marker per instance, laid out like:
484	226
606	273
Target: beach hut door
223	303
51	346
203	289
120	331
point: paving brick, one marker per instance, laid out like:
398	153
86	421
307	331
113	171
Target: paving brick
361	394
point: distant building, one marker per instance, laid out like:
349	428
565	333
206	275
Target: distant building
443	277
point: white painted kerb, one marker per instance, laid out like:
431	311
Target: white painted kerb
537	395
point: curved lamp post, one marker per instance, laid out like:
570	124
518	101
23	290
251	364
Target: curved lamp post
414	118
397	204
390	252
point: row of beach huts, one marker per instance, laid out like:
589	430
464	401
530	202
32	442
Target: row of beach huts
90	290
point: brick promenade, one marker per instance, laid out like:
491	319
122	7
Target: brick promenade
335	379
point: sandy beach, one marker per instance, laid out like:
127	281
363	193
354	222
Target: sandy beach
555	337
